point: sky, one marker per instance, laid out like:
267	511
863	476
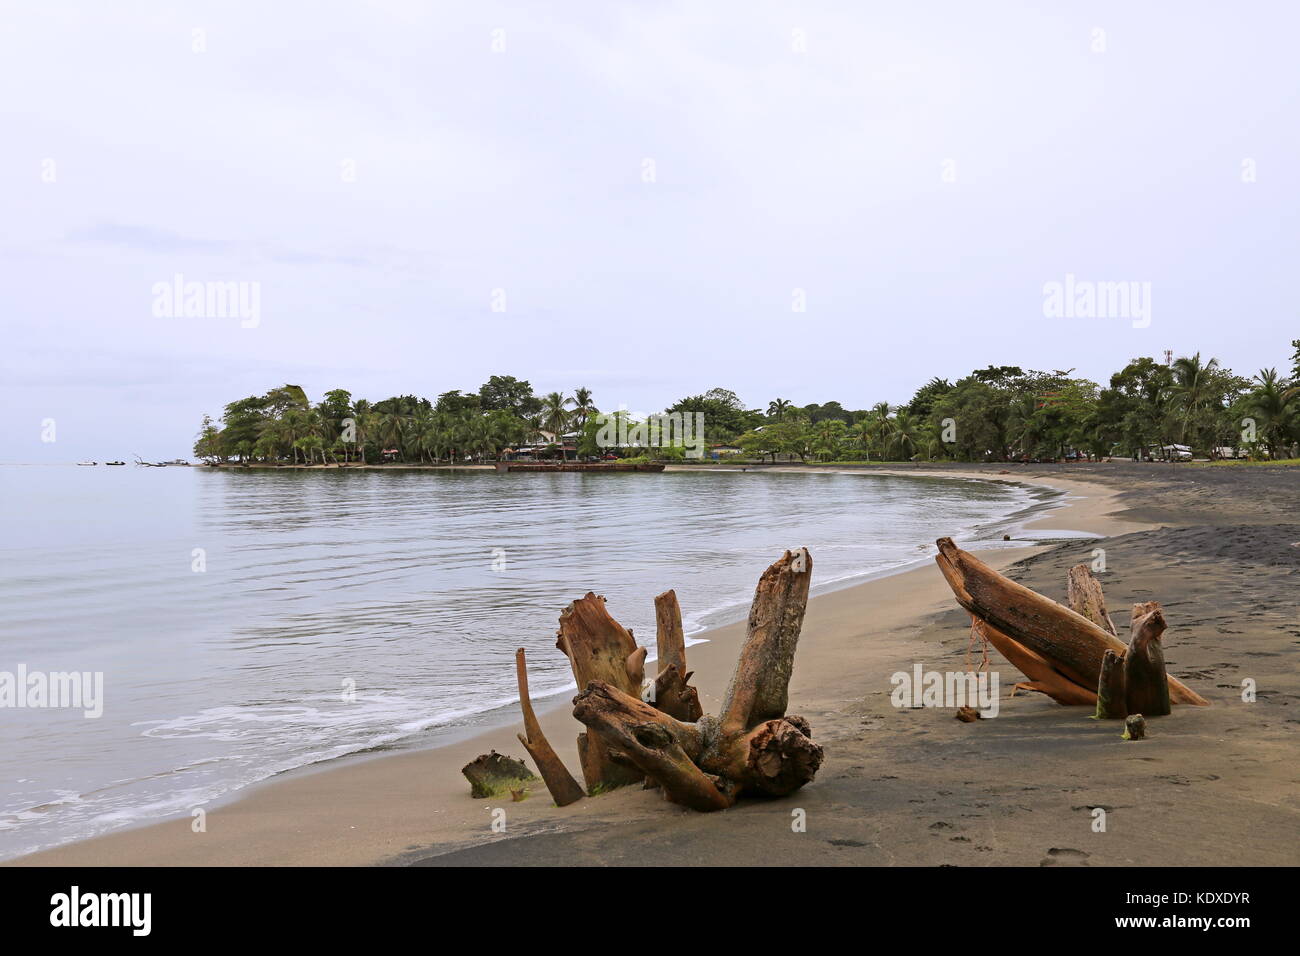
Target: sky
813	201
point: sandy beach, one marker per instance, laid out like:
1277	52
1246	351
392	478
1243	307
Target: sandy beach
1215	785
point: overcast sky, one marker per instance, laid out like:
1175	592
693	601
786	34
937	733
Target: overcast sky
648	183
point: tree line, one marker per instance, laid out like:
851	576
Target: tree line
999	413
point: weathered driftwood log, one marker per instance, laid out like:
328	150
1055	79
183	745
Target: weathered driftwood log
672	694
1043	677
601	649
493	774
564	789
1146	689
1074	645
1110	688
1083	592
752	746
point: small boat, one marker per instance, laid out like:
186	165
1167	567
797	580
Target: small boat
87	463
115	463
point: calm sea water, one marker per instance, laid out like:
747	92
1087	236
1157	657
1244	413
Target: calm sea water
410	588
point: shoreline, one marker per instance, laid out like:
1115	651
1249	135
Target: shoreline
328	800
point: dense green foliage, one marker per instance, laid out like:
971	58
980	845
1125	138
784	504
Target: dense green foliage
1001	413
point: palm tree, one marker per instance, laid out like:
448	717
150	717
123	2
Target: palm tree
423	433
362	417
906	433
583	406
827	434
882	426
1192	388
862	433
1274	402
556	416
392	428
777	408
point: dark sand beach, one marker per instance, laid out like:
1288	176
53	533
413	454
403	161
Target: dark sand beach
1219	547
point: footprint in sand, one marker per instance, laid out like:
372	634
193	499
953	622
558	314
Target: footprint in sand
1064	856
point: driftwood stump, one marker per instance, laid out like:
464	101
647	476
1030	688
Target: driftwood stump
752	746
1111	702
1146	690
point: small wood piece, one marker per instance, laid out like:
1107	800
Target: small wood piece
1135	727
493	775
564	789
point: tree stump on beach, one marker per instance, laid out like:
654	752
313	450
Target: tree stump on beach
1111	702
1146	689
752	746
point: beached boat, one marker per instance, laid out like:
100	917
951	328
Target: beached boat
578	466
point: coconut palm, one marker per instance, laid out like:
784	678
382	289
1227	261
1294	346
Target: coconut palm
905	434
556	416
1193	388
881	426
862	432
391	428
583	406
777	408
1275	404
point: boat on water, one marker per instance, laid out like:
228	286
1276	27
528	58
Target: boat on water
512	466
115	463
87	463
